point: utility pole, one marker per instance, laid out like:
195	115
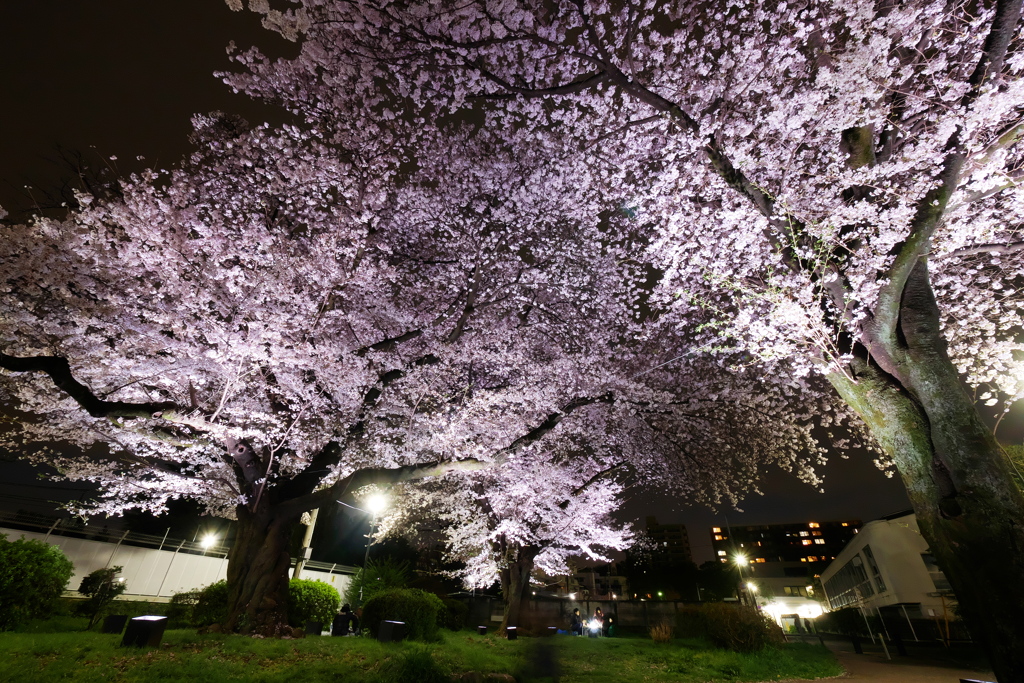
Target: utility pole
306	550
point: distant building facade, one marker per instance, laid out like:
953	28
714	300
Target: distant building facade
784	591
887	570
672	541
804	542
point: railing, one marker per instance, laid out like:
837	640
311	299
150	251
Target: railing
76	528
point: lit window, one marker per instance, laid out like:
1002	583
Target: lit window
805	533
812	558
721	553
846	524
718	537
759	544
803	559
815	533
760	559
718	530
806	541
820	541
813	525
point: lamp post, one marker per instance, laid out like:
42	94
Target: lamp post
375	504
740	559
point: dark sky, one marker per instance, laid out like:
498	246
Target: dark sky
123	77
112	78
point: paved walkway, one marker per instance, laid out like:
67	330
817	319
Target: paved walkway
875	667
920	668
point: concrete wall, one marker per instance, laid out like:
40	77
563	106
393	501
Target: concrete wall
151	574
540	613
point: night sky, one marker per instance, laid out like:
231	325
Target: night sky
121	78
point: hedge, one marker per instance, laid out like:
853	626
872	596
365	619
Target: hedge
421	612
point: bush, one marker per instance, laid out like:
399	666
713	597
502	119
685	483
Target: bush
418	609
661	632
212	605
455	613
100	587
741	629
181	609
312	601
33	575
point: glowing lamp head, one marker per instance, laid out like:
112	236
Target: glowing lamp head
209	540
376	503
751	586
740	559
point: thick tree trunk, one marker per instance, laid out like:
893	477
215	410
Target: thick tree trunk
515	584
958	479
258	567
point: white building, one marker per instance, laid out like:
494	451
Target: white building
887	571
783	591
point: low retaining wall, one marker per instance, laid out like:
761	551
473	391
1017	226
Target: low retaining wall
149	573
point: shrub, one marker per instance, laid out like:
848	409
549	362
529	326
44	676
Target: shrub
212	606
180	611
311	601
741	629
418	609
381	575
455	613
100	587
661	632
33	575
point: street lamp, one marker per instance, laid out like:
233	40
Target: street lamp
209	540
375	504
741	560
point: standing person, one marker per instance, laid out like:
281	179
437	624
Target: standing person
576	623
598	621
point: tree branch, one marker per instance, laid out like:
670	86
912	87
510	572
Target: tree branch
932	206
59	370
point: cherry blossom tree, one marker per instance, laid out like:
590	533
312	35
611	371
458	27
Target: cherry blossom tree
837	182
512	524
284	319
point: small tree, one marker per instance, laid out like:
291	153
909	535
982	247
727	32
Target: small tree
379	575
101	587
33	574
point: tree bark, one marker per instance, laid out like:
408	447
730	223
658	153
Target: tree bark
515	582
957	476
258	565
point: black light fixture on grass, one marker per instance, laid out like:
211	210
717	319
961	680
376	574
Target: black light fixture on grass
482	630
511	633
391	631
145	631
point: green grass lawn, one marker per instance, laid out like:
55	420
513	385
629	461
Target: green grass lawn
186	656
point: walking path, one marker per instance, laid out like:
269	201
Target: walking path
922	667
875	667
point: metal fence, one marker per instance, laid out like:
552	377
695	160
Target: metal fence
154	567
